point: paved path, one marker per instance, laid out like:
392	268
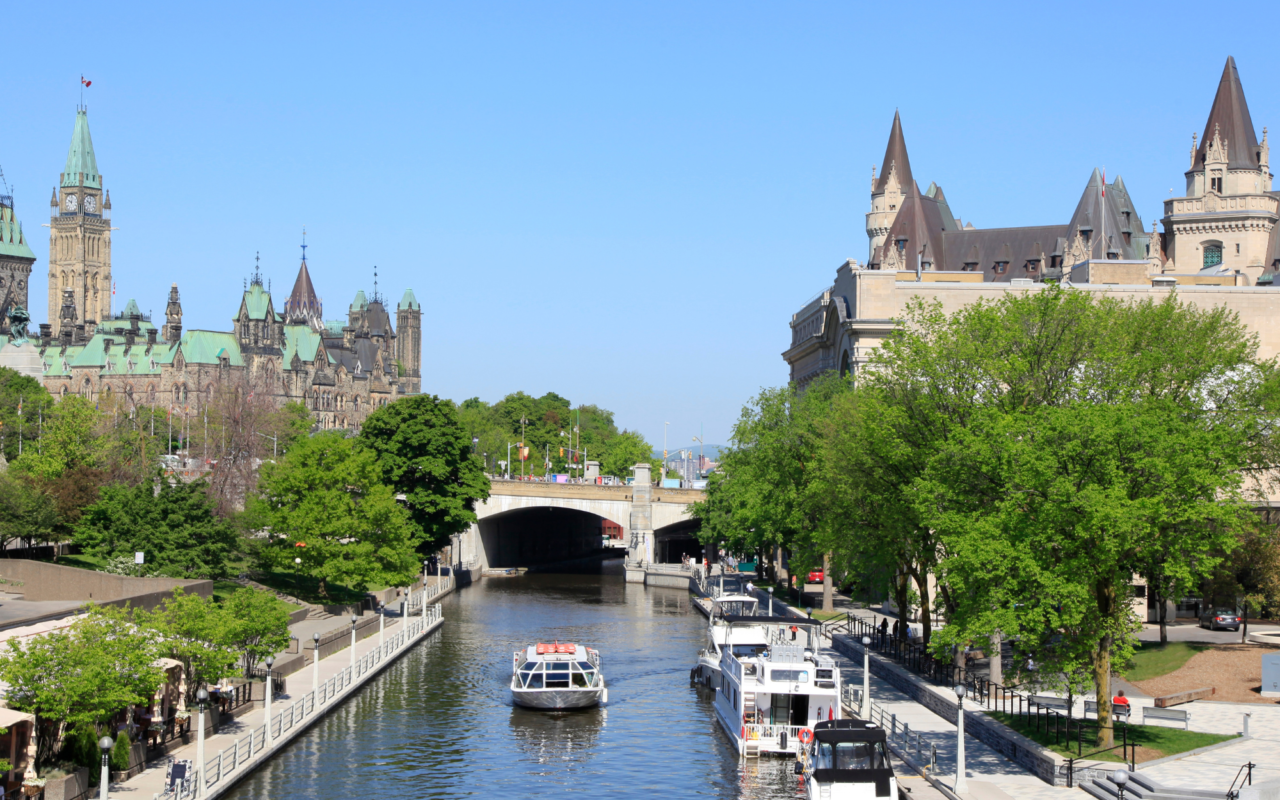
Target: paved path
990	775
1189	631
151	781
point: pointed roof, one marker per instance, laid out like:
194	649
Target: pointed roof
409	302
895	155
360	303
12	241
1230	118
131	308
80	158
302	305
1104	215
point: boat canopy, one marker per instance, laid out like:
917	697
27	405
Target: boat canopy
766	620
848	730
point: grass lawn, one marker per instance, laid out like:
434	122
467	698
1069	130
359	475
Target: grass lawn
1151	659
307	588
1153	741
826	615
80	561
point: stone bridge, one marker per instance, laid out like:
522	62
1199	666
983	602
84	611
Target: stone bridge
528	523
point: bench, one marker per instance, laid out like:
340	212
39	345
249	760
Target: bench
1091	707
1168	714
1185	697
1055	703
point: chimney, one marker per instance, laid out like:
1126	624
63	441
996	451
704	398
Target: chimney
80	332
151	335
106	344
46	334
129	337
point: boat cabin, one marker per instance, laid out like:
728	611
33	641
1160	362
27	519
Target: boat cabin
847	760
557	666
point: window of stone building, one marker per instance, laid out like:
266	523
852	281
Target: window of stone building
1033	265
845	366
1001	266
902	245
1212	255
1237	248
1215	182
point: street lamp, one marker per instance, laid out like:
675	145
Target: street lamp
866	678
382	622
315	668
960	787
1121	777
105	744
270	662
354	619
202	702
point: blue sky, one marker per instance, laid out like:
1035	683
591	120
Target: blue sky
622	203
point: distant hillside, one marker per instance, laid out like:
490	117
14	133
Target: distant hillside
711	451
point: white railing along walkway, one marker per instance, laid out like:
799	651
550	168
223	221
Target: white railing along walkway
253	743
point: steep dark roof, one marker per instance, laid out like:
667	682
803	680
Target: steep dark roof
919	223
303	306
895	155
1015	247
1230	117
1097	214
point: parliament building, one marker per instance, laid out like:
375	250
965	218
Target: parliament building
341	370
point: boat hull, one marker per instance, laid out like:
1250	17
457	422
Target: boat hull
557	699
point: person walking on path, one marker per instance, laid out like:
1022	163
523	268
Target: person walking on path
884	631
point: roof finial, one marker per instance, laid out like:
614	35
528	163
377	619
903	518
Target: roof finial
304	244
257	273
377	298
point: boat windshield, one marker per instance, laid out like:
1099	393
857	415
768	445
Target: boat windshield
850	755
749	650
557	675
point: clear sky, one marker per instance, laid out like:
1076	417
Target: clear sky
622	203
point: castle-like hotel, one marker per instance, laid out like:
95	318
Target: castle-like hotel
1220	246
340	370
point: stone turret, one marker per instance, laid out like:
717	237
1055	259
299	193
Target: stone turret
173	317
890	189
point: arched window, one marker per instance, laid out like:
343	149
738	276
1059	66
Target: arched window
1212	255
845	366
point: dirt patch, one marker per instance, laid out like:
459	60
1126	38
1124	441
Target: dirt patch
1235	670
1141	754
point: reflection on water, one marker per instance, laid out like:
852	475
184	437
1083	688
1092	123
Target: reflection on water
440	721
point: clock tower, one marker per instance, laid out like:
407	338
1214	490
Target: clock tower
80	234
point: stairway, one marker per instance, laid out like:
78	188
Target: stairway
750	747
1144	788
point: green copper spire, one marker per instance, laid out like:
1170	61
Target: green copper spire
409	301
12	241
82	167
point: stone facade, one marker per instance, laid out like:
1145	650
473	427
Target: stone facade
1220	246
340	370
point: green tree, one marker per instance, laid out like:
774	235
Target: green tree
174	525
80	676
326	503
626	450
1064	436
22	401
196	632
426	455
259	626
27	512
70	439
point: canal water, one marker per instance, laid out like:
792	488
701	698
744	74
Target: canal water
439	722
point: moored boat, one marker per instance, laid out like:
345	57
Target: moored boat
557	676
846	759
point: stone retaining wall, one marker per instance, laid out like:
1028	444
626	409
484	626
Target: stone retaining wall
44	581
1001	738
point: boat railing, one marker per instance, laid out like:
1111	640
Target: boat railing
770	737
734	666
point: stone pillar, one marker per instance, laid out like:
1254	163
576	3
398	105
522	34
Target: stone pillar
640	548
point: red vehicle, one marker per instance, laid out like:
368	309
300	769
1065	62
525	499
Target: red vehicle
815	576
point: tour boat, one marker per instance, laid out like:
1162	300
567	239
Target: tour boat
733	623
845	759
557	676
766	696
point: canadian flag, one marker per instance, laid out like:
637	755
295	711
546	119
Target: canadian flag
86	83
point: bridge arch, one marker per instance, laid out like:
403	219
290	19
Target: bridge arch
677	539
537	535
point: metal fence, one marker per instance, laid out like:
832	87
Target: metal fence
244	750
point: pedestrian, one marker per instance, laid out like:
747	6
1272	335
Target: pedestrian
895	629
884	630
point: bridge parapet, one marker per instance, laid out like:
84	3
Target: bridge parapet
590	491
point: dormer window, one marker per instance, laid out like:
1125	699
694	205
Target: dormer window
1087	235
902	245
1001	267
970	266
1033	265
1215	182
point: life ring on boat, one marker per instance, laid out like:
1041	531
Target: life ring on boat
806	735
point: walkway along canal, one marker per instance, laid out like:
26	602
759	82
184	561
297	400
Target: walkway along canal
246	743
439	721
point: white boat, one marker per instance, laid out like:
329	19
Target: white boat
731	624
764	699
846	760
557	676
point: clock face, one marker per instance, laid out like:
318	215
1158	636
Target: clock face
70	202
90	203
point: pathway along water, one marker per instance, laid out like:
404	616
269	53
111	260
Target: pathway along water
440	723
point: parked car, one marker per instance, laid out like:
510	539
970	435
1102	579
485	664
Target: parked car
1220	619
815	576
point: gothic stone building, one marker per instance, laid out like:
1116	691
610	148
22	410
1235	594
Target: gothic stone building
1220	246
340	370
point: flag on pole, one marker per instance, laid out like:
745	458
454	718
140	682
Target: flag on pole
86	83
1104	181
